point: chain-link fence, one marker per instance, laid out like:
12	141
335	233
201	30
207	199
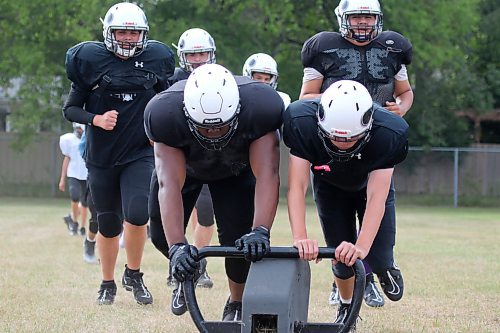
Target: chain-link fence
449	176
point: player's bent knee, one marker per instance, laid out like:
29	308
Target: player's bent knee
342	271
109	224
237	269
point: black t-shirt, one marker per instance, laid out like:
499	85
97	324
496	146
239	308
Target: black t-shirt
123	85
387	147
373	65
261	112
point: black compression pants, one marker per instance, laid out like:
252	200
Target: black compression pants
121	193
338	210
233	203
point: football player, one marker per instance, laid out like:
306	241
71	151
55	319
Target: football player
351	145
220	130
196	47
362	52
262	67
112	81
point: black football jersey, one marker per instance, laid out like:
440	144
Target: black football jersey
261	112
373	65
387	147
126	86
179	75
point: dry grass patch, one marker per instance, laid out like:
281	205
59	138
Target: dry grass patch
448	258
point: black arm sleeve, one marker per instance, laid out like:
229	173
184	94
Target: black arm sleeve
73	108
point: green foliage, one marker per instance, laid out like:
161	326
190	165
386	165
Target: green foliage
455	64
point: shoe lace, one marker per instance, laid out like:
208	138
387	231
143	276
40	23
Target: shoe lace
103	292
233	308
139	283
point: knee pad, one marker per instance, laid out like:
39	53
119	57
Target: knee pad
343	272
93	227
237	269
205	216
137	212
110	224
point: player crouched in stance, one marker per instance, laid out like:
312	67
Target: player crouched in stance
351	145
111	84
220	130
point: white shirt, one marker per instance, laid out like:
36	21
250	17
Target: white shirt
285	97
69	147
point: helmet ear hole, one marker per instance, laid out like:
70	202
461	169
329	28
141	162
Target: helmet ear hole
367	116
320	112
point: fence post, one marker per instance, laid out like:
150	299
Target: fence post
455	178
55	171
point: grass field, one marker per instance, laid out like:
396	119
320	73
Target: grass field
449	258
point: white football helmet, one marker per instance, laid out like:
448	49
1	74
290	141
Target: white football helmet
262	63
345	114
350	7
212	100
194	41
125	16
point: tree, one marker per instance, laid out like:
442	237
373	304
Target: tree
454	67
36	55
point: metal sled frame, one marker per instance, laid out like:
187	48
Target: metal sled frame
298	326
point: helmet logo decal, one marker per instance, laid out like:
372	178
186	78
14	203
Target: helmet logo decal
389	42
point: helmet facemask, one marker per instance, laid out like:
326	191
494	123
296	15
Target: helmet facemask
123	48
189	66
213	143
195	40
125	16
262	63
360	33
361	139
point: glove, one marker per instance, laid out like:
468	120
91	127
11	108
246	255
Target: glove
255	245
183	259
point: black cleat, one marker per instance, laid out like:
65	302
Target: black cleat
342	313
204	281
178	305
89	252
132	281
392	283
71	225
107	293
372	295
232	311
334	298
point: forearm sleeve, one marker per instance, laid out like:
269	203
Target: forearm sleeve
73	107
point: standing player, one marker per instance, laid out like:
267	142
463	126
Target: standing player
196	47
218	130
111	84
73	168
362	52
351	145
262	67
